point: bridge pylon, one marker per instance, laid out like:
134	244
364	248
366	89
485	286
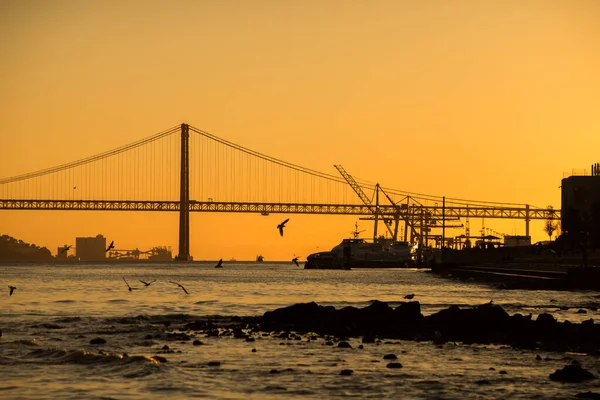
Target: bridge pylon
184	198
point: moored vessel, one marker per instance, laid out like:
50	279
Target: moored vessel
359	253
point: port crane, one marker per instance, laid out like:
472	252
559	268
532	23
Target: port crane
406	211
365	199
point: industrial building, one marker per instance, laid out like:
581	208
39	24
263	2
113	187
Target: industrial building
580	208
90	248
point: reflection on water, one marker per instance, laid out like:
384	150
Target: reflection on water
48	323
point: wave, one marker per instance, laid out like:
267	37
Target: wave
206	302
61	356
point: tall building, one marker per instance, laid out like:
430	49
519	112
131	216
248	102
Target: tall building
580	208
90	248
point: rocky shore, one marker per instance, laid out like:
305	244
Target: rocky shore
486	324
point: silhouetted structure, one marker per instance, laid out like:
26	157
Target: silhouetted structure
90	248
62	252
516	241
184	198
580	216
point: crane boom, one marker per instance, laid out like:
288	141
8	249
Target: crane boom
354	185
361	194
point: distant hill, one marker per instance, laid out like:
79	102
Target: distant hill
12	249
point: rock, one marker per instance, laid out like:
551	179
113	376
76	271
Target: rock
344	345
408	313
97	341
545	319
588	395
346	372
571	374
159	359
390	357
214	363
197	343
178	336
394	365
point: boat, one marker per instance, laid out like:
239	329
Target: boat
260	258
357	252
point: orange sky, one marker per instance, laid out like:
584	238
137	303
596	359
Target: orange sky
480	100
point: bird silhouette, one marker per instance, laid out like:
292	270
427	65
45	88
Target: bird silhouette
12	289
180	285
281	226
130	288
219	264
66	248
295	261
409	296
111	246
147	283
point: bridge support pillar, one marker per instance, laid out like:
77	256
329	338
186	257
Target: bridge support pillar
184	198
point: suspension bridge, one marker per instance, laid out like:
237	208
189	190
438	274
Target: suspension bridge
185	169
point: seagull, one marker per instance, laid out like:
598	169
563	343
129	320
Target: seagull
219	264
66	248
12	289
281	226
295	261
409	296
147	283
180	285
111	246
130	288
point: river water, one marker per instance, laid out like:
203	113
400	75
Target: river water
48	322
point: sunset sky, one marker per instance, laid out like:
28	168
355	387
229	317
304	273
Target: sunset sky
481	100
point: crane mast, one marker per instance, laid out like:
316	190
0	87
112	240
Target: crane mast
365	199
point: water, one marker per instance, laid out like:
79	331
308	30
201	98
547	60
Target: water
47	325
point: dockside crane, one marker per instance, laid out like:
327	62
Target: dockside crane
365	199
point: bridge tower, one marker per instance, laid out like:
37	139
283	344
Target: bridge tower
184	198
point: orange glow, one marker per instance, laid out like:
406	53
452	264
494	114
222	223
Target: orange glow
490	101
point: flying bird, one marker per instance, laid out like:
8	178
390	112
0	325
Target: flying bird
66	248
281	226
130	288
147	283
295	261
219	264
12	289
111	246
180	285
409	296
